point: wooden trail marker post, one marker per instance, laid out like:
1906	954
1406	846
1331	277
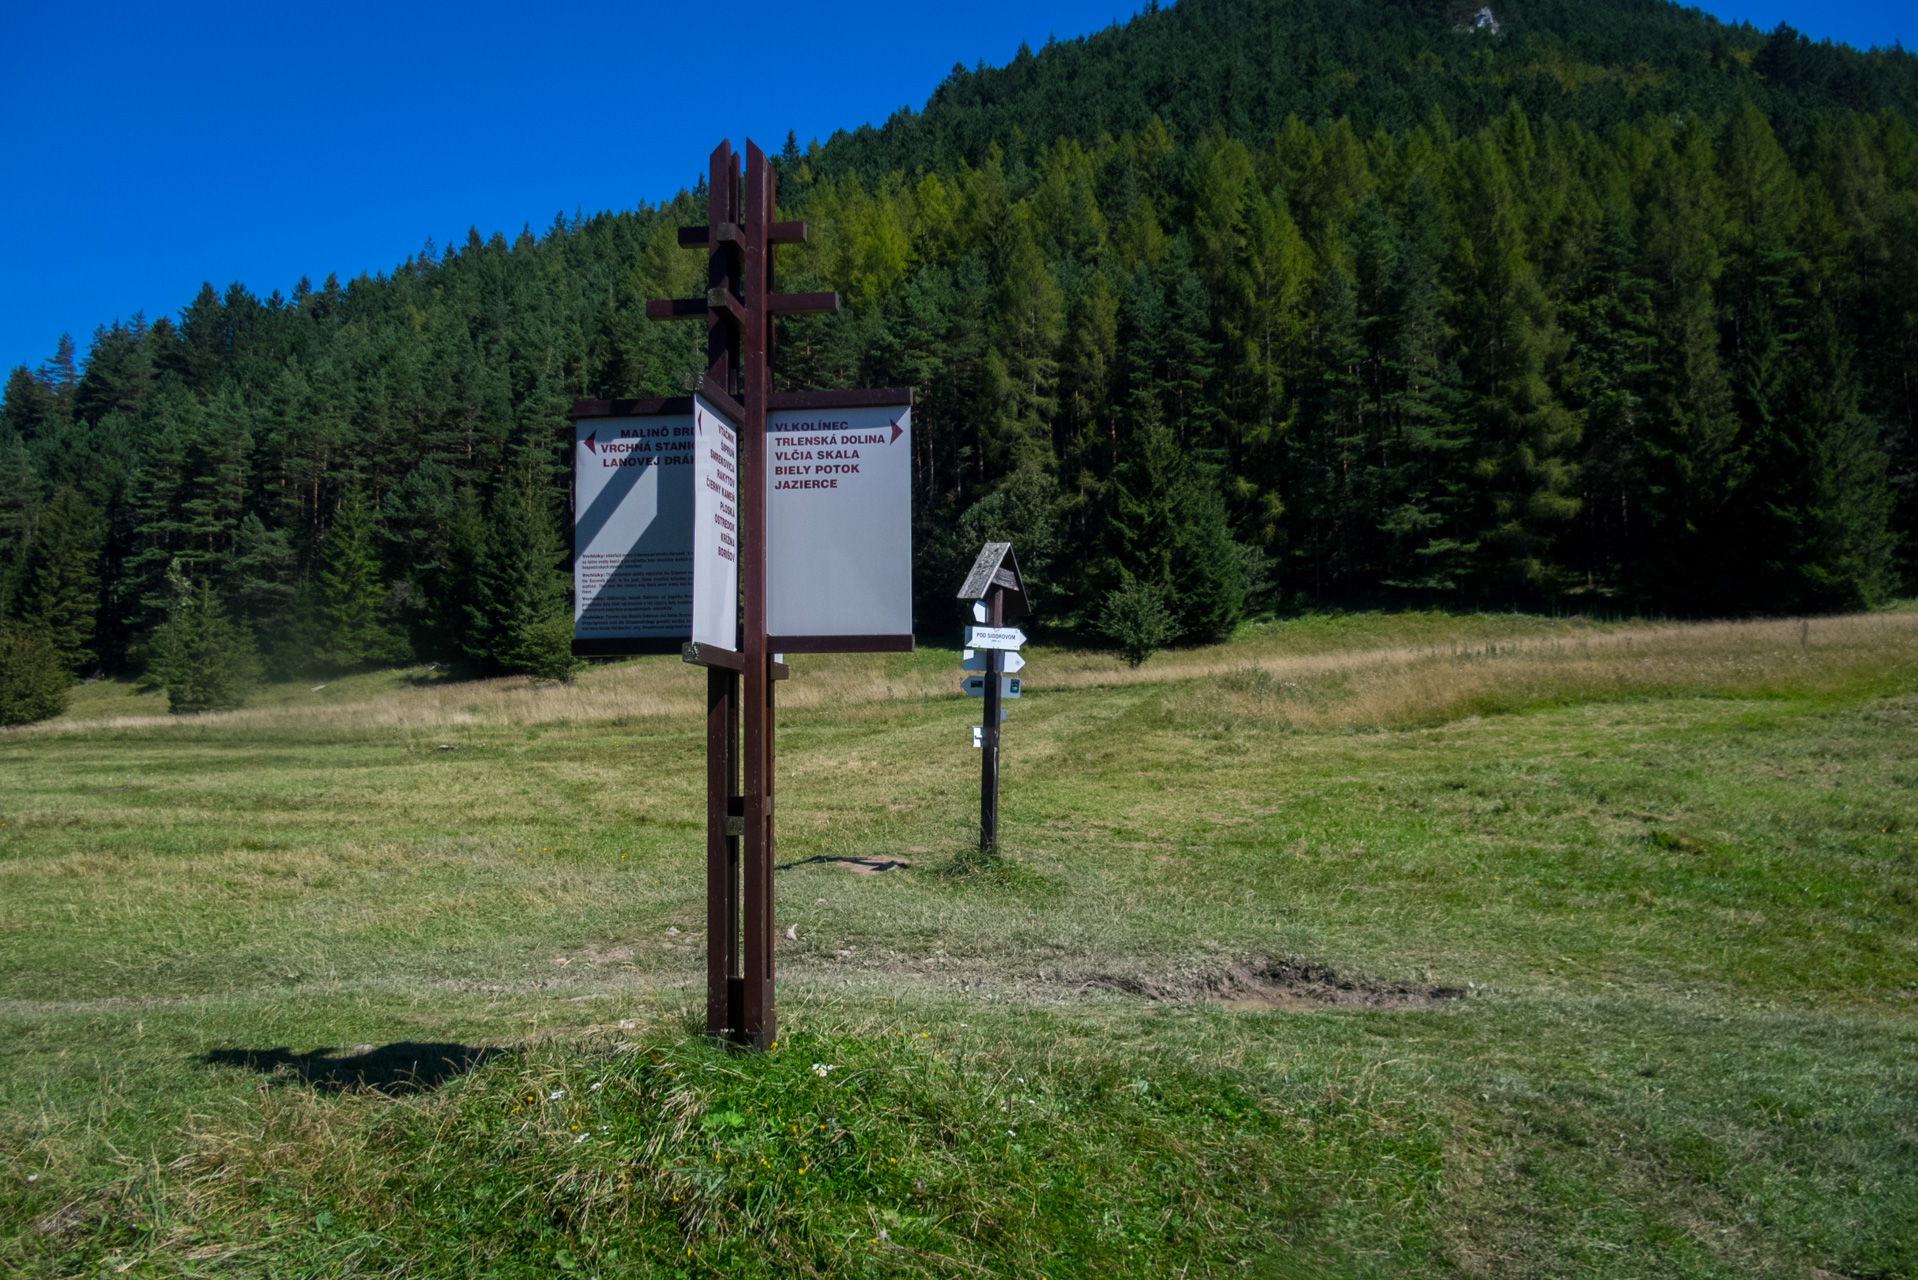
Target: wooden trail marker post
997	592
812	485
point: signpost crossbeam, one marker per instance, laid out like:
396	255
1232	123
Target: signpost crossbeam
785	304
781	233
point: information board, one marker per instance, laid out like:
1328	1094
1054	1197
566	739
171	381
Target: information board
839	528
632	530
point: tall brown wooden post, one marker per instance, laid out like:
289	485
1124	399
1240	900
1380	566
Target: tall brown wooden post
739	309
725	989
761	1026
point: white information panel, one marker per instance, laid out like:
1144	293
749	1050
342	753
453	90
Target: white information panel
839	522
633	527
715	529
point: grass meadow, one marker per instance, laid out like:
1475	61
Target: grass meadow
1385	945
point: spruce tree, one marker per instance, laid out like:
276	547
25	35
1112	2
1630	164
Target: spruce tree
202	658
520	621
352	589
1023	366
33	682
452	620
1166	528
59	591
1610	324
21	498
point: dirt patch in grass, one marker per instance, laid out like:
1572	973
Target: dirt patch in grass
1268	984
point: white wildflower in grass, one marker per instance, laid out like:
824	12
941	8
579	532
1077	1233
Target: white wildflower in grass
581	1138
820	1069
556	1095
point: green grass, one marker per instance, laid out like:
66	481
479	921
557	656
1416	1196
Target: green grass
1682	904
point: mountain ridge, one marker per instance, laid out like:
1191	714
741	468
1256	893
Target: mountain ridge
1568	61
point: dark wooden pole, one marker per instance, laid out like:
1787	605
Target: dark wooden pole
989	737
739	307
722	853
724	990
761	1026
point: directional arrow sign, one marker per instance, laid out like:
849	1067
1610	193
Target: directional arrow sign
975	686
1008	662
994	637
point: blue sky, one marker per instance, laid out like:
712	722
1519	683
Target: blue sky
152	148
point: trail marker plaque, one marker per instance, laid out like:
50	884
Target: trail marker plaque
994	638
1009	661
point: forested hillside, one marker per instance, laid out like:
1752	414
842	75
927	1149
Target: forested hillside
1243	305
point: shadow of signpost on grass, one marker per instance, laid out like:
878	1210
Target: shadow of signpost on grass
402	1067
863	865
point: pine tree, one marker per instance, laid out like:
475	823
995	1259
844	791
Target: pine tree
1526	440
202	658
1610	324
30	408
1326	449
21	499
33	683
452	622
1429	546
119	375
1023	366
1166	527
352	588
160	489
60	374
59	592
1188	353
520	621
1689	560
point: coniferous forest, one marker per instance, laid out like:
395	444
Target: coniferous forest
1242	306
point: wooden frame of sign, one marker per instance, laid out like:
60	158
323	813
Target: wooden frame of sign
787	405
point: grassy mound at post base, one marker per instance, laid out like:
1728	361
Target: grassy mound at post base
887	1153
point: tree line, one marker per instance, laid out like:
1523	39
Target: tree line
1196	358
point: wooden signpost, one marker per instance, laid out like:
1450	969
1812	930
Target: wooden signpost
997	592
685	506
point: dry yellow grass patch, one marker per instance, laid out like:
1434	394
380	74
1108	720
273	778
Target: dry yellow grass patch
1340	688
1421	685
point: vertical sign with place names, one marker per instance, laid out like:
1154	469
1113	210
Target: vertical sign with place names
839	525
715	528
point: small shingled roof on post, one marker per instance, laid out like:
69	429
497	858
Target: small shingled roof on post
997	566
